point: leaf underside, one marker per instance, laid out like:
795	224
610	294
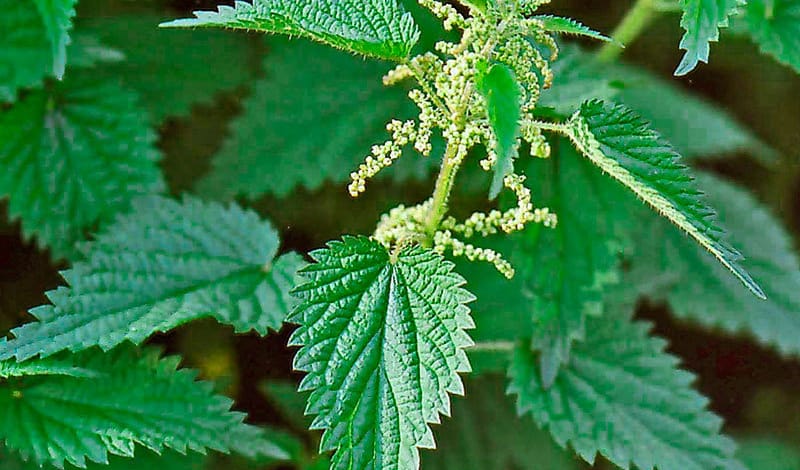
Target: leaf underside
623	397
74	155
622	145
53	419
165	264
382	345
702	20
376	28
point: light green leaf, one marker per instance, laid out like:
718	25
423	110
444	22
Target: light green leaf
622	145
315	131
768	454
775	26
702	20
570	27
53	419
502	93
57	16
622	396
700	290
74	155
164	264
383	342
486	433
171	83
376	28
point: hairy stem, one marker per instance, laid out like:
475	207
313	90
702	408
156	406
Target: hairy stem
633	24
441	193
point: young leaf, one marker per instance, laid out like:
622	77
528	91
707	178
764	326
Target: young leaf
376	28
700	290
775	26
25	52
57	16
622	396
570	27
486	433
622	145
701	20
315	130
383	341
136	398
164	264
171	83
74	155
501	91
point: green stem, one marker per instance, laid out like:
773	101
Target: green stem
441	193
633	24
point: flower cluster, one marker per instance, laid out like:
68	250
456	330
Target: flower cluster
448	101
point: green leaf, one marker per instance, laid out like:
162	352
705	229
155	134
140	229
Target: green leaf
169	82
57	16
53	419
502	93
768	454
702	20
622	145
577	79
562	271
73	156
25	52
486	433
383	342
570	27
700	290
165	264
145	459
694	126
275	152
376	28
622	396
290	403
775	26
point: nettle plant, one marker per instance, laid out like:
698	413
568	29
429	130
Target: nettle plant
585	209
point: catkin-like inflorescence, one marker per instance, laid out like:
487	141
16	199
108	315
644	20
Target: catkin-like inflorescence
445	94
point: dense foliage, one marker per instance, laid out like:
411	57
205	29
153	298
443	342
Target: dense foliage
565	188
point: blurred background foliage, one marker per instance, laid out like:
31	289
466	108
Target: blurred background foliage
194	83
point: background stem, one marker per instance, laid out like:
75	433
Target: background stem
633	24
